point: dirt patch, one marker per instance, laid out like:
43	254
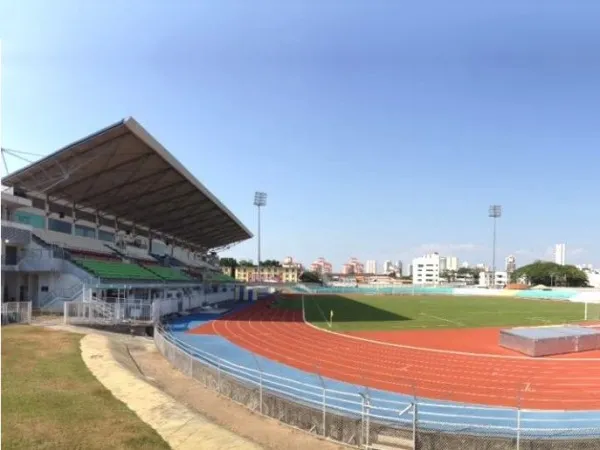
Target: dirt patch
264	431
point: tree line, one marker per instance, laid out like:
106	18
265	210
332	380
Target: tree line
539	272
233	263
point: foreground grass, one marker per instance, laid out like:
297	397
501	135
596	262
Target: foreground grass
51	401
362	312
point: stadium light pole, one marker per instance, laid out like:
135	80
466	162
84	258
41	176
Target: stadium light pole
495	211
260	200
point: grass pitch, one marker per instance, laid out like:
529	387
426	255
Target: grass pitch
51	401
389	312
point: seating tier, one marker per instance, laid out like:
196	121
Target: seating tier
117	270
166	273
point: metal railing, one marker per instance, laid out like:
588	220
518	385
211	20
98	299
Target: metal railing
365	419
66	294
16	312
103	313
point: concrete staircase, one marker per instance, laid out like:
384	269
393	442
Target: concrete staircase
54	301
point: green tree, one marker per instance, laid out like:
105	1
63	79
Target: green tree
551	274
310	277
228	262
469	272
245	263
449	275
229	265
270	263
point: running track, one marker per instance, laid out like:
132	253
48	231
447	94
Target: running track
283	336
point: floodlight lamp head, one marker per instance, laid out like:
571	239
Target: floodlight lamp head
495	211
260	199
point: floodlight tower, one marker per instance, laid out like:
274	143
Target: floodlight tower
260	199
495	211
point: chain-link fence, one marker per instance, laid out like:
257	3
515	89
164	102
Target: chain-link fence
363	419
16	312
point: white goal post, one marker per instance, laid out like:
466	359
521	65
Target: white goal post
592	310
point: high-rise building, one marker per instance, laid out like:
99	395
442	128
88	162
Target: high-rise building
510	264
388	267
452	263
560	253
442	263
448	263
371	266
399	268
426	269
322	266
353	266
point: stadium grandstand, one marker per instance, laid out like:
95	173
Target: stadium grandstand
112	218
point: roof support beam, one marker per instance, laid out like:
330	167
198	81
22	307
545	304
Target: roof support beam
207	232
175	214
192	223
139	163
126	206
198	218
119	186
97	175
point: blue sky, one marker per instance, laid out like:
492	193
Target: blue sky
380	130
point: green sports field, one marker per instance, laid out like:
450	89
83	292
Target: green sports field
389	312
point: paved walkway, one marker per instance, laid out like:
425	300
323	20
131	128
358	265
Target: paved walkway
182	428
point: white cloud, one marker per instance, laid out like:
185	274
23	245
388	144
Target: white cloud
575	251
523	252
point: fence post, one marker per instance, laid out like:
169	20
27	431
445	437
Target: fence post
518	445
260	391
362	419
518	440
324	412
324	399
260	386
414	425
366	416
219	375
65	312
29	308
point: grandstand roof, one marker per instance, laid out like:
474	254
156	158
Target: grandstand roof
123	171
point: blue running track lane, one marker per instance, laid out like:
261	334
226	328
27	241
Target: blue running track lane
385	406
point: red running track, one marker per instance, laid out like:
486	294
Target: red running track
283	336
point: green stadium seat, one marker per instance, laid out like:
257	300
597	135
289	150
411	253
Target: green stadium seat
117	270
168	274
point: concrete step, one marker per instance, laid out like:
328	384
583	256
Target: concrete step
395	442
390	447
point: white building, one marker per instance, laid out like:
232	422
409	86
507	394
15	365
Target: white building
426	269
560	253
593	277
399	268
501	279
451	263
510	263
371	266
